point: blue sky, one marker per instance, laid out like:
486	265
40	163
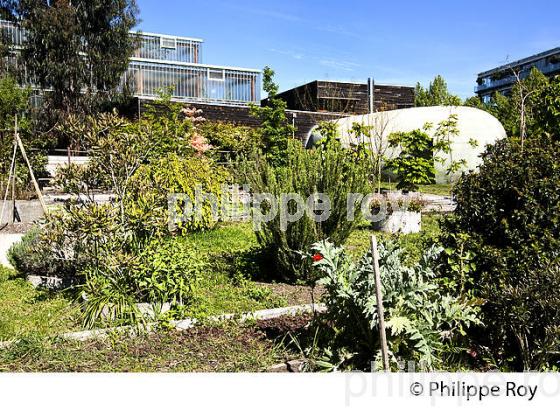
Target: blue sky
396	42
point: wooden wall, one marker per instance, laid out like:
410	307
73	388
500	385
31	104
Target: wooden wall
348	98
240	115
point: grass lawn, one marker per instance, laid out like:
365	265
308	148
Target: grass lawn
413	244
435	189
25	311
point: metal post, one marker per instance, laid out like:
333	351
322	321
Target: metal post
380	310
371	94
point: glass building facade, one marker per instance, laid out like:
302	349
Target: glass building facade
163	62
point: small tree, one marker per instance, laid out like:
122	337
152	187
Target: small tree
276	130
372	136
415	164
516	112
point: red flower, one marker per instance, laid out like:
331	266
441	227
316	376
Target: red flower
317	257
472	353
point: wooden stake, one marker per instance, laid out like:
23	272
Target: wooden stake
35	184
380	310
11	174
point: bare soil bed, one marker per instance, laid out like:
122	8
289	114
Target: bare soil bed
227	347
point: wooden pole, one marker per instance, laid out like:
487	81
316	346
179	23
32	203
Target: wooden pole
12	171
35	184
380	310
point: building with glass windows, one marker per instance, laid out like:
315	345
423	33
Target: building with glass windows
175	63
503	78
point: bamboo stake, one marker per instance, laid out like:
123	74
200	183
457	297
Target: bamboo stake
10	175
35	184
380	310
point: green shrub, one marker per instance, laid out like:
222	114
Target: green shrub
329	170
424	324
162	271
146	204
505	248
169	271
5	273
415	163
33	256
229	140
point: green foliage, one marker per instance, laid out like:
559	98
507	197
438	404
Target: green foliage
547	110
330	170
169	271
30	257
506	236
77	49
474	102
415	164
163	271
436	94
275	129
14	101
141	163
146	202
109	245
527	93
424	324
229	140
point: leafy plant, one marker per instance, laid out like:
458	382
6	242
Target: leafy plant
390	205
505	229
424	324
198	178
415	164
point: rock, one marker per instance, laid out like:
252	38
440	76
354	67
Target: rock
278	368
295	366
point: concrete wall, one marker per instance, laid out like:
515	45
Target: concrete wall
29	211
55	161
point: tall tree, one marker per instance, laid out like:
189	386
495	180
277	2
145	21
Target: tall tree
77	49
436	94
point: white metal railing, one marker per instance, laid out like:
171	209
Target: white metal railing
195	82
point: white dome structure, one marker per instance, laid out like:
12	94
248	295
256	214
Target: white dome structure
476	129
